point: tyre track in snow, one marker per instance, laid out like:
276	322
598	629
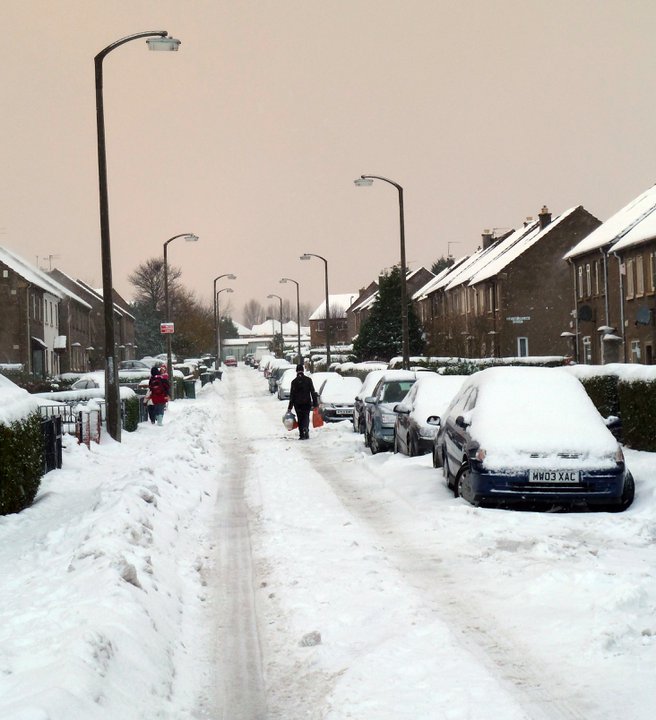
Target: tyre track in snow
240	683
539	690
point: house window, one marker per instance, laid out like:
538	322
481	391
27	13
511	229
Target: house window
580	282
640	276
596	277
522	347
490	299
630	282
635	351
649	355
588	280
652	271
320	326
587	350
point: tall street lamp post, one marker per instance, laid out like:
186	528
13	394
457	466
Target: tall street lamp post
298	318
366	181
159	40
189	237
217	319
282	338
307	256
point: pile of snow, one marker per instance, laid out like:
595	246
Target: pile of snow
15	403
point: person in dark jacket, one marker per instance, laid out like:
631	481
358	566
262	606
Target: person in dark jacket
158	395
302	397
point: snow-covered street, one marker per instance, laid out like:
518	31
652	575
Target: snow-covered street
218	568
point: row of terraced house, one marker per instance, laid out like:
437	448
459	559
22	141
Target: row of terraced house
568	285
52	323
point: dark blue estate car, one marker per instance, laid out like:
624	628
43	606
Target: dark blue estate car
530	436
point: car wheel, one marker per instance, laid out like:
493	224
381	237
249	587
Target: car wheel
436	457
373	445
461	478
628	494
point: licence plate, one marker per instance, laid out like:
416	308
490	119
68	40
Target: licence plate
344	411
563	477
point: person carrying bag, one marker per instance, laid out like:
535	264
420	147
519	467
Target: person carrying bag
302	397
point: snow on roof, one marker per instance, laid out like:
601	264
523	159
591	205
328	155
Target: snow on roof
272	327
460	274
434	281
37	277
513	246
635	223
338	306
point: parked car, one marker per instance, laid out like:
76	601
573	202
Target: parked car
370	380
276	369
337	399
91	380
532	436
230	361
380	418
285	383
133	365
248	359
414	434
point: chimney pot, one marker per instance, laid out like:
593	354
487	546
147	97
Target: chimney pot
488	238
544	217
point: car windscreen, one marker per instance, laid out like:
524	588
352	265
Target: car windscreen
396	390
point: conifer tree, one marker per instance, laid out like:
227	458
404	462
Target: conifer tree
380	336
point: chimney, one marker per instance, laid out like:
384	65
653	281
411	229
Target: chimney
544	217
488	238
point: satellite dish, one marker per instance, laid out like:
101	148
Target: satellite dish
585	313
643	316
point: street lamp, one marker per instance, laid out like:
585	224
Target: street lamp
159	41
298	317
189	237
217	319
367	181
282	337
307	256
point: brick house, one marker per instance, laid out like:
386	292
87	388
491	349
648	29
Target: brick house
338	323
513	296
44	326
614	281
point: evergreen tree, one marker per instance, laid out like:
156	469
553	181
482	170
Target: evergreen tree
380	336
439	265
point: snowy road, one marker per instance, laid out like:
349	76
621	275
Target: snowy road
426	606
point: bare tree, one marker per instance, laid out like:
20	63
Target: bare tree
253	313
148	280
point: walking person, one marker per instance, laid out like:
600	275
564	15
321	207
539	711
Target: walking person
302	397
158	395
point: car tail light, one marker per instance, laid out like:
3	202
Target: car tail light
619	455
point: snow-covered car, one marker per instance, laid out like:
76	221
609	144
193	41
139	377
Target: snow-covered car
531	436
276	370
414	433
230	361
337	399
285	383
370	380
380	418
133	365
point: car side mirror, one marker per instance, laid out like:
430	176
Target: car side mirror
401	409
434	420
371	400
461	422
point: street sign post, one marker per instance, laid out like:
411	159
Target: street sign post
166	328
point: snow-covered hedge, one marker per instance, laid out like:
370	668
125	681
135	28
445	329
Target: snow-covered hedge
627	391
21	462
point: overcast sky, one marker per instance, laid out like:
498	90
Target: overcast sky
251	135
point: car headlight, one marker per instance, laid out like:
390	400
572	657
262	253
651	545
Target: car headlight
387	419
328	406
619	455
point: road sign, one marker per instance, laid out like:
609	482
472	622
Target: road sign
166	328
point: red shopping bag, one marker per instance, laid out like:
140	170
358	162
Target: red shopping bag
317	420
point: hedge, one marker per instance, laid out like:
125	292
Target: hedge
21	458
637	400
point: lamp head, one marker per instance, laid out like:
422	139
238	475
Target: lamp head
228	290
363	182
305	256
283	281
231	277
191	238
163	44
